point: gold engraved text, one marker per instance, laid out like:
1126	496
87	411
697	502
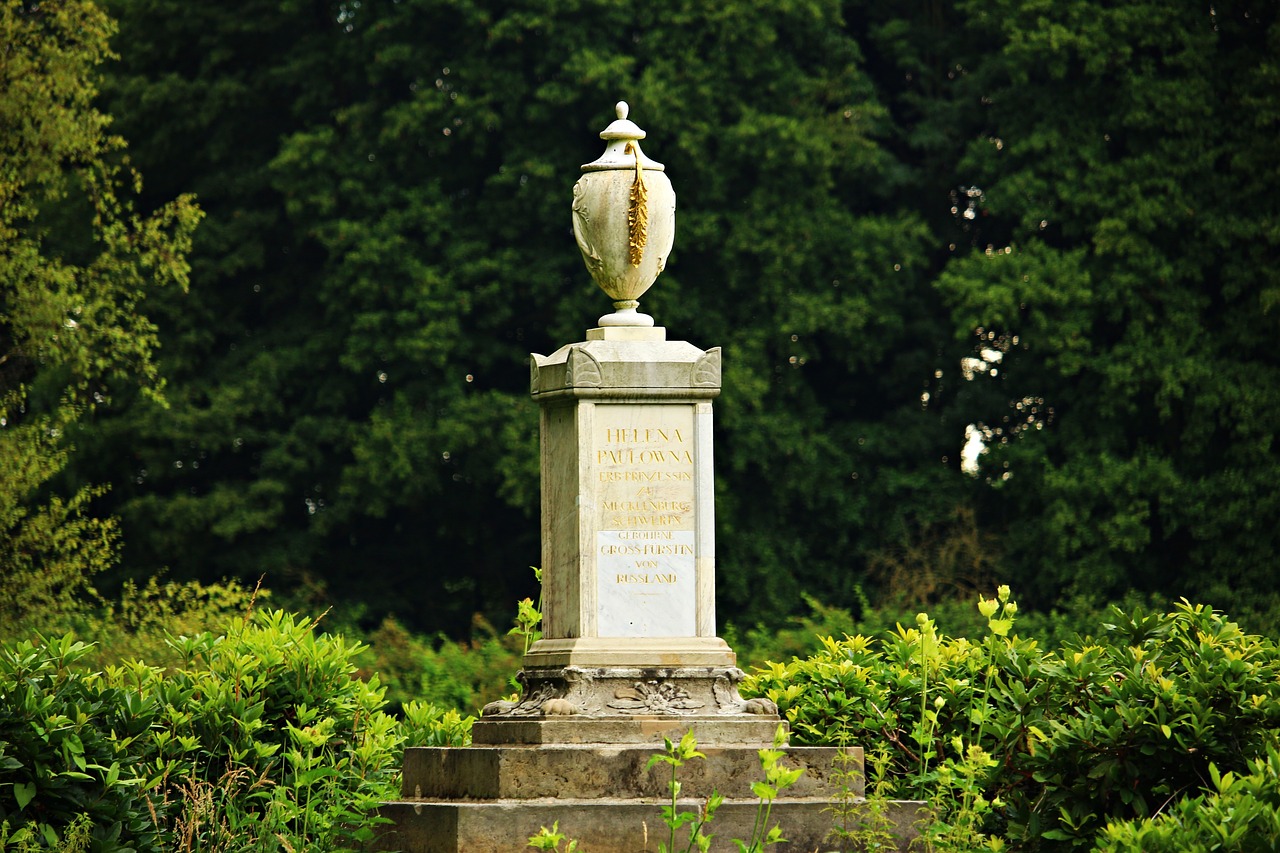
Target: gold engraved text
626	578
642	436
647	550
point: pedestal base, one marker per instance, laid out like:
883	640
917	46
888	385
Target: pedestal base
626	705
615	772
616	826
492	799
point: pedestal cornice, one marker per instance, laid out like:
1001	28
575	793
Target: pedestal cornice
625	369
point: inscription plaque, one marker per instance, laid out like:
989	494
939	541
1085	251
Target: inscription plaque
646	557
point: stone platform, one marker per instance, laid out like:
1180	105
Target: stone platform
585	772
491	799
605	826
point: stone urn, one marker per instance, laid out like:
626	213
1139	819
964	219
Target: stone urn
624	219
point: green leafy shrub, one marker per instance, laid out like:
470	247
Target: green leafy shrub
463	675
425	724
268	730
70	747
1067	740
25	840
140	622
1136	722
259	738
1078	615
1241	813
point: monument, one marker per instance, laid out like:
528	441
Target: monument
629	653
629	649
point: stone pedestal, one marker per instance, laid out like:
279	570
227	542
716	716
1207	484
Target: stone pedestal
628	553
629	655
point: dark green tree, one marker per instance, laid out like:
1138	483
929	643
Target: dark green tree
1055	225
1120	276
388	189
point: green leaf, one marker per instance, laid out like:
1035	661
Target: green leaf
24	793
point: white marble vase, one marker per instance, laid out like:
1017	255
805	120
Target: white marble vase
624	216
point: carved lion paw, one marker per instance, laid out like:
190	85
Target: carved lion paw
502	706
558	708
760	706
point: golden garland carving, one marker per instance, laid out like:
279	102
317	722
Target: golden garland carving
637	212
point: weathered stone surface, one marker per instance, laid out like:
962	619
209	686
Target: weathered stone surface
744	729
480	799
586	654
627	333
609	825
622	362
630	691
595	771
628	531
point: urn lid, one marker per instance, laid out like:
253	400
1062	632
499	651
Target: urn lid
623	137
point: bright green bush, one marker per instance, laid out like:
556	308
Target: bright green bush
1137	721
137	625
258	738
425	724
268	734
1242	813
1078	615
1065	740
463	675
70	747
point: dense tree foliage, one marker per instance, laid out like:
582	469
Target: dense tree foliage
1054	223
76	262
1130	261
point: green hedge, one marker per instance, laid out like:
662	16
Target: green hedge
1043	748
260	738
1158	732
71	744
1242	813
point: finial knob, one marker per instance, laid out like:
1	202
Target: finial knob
621	109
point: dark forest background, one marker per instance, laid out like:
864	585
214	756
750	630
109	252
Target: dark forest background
1049	228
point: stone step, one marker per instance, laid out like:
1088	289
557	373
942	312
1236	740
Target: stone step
614	825
584	772
721	729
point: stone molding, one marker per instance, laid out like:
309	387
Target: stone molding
626	370
630	691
